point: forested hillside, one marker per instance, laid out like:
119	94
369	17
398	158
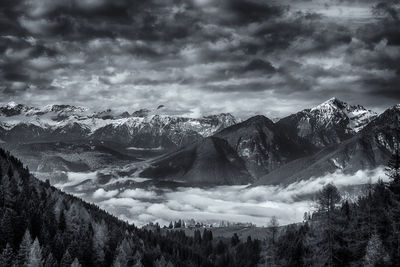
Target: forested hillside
42	226
363	233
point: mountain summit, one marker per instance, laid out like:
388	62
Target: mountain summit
334	108
369	148
328	123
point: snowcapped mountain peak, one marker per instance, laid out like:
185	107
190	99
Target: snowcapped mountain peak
329	122
331	104
396	107
334	100
11	104
335	111
12	109
67	108
143	128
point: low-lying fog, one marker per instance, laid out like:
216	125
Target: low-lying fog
140	204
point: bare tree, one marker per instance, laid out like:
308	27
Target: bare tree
273	227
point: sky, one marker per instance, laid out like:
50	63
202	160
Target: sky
200	57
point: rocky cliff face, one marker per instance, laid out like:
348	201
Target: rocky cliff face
328	123
263	145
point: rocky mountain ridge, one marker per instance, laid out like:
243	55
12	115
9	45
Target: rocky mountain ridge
329	123
341	138
142	129
218	149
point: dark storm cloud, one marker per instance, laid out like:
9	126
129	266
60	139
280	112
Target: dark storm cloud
387	88
279	34
200	55
388	8
146	20
259	65
249	11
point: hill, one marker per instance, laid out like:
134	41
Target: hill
209	161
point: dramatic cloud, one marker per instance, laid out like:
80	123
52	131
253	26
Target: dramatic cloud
227	203
199	57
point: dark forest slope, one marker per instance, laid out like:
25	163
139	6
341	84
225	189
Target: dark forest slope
39	224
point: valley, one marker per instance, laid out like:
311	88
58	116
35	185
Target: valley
221	169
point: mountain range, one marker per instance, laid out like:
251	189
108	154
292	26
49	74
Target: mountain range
143	129
216	149
329	137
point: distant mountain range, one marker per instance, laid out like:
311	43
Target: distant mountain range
219	149
143	129
332	136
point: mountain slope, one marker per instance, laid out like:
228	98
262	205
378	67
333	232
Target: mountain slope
328	123
209	161
368	149
263	146
239	154
70	157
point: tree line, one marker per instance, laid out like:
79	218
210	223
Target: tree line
365	232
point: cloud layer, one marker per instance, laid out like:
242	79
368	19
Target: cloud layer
224	203
200	56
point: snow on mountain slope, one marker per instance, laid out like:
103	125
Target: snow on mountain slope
328	123
57	122
334	109
368	149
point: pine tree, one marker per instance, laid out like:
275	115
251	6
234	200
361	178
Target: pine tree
10	171
375	254
98	243
7	227
235	240
327	199
62	225
24	249
10	191
66	260
197	237
50	261
393	172
162	263
35	255
123	254
76	263
7	256
1	188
